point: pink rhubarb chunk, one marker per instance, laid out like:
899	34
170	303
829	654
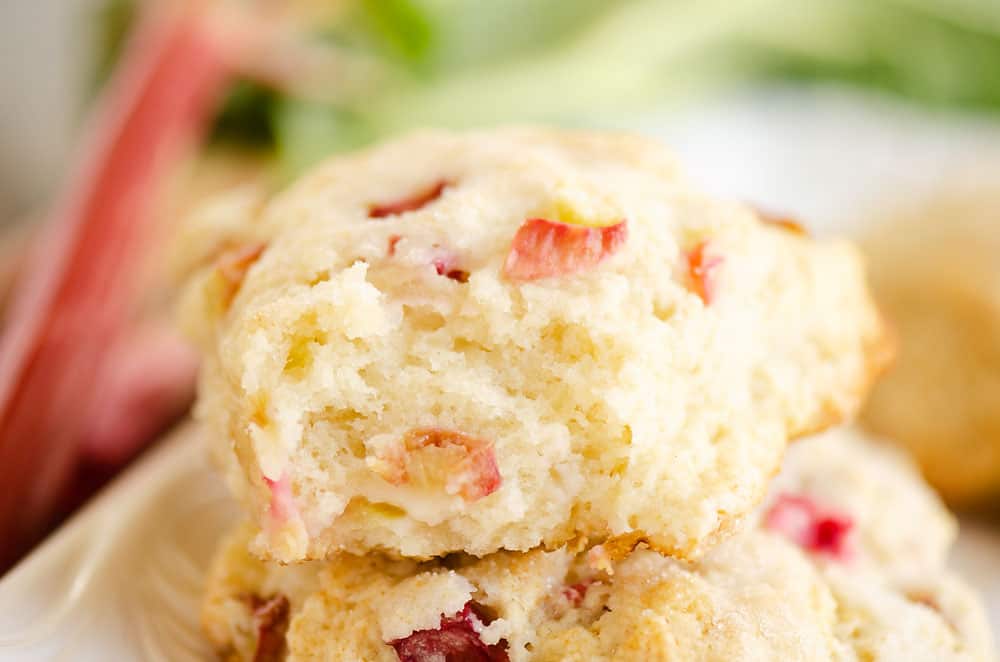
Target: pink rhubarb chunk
282	506
703	268
270	619
575	594
815	528
410	203
393	240
446	266
454	640
436	457
543	249
445	263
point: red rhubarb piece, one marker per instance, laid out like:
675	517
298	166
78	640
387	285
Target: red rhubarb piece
815	528
410	203
703	268
436	457
282	505
393	240
542	248
445	263
577	593
445	266
270	620
454	640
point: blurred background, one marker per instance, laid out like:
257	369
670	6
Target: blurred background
121	117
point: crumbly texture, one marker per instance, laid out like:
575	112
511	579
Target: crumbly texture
936	270
486	341
884	594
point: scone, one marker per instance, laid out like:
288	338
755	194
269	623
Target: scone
487	341
936	269
845	561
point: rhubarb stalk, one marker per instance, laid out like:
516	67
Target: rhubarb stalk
77	289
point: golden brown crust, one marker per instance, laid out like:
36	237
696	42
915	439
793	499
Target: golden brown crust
880	354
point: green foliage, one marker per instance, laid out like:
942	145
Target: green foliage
112	24
469	62
404	28
247	115
306	132
901	48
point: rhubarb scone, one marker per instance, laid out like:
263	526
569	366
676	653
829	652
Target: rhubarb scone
490	341
845	561
936	269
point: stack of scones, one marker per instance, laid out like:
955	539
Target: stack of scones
525	395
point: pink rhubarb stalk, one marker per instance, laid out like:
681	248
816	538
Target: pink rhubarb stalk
76	291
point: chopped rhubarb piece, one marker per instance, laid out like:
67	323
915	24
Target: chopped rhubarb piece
441	266
445	268
542	248
703	270
831	532
782	221
454	640
433	457
445	263
577	593
270	620
814	528
282	505
233	265
411	203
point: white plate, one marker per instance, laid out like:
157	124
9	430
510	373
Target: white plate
121	580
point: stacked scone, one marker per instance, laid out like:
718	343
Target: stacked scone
520	395
843	561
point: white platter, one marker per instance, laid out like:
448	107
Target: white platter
121	580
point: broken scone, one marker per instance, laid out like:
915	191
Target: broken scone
499	340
